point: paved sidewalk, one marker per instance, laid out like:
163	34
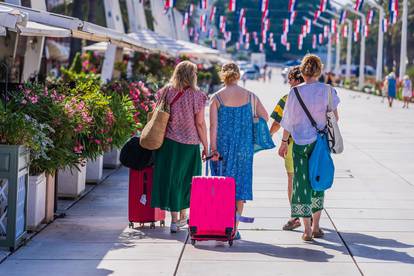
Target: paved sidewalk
369	216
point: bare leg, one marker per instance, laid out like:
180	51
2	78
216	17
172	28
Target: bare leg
239	210
183	214
290	186
316	219
308	227
174	217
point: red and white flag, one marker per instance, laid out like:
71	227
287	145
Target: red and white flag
203	4
357	29
292	17
222	24
285	26
291	5
304	31
261	47
358	5
308	24
241	16
288	46
370	17
274	47
300	42
326	31
283	39
191	9
384	25
169	4
203	23
393	9
343	16
322	5
366	30
345	31
232	5
333	26
211	33
314	41
213	13
243	26
321	39
316	15
265	5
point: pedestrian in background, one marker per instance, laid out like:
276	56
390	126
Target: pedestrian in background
407	91
391	86
294	78
306	203
231	133
179	158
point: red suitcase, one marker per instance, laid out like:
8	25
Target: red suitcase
212	208
139	199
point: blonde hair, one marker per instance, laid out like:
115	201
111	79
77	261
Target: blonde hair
184	76
311	66
230	73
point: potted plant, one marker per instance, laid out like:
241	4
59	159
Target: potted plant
24	135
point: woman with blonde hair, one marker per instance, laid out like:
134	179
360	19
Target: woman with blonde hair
305	202
179	158
231	133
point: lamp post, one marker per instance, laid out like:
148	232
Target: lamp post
403	55
380	50
337	47
328	66
361	79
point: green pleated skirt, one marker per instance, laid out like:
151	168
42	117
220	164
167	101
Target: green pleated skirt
305	201
175	166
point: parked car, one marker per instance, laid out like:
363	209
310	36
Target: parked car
250	74
293	62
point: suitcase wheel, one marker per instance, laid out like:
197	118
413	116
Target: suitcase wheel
193	241
152	225
131	225
230	243
141	225
162	223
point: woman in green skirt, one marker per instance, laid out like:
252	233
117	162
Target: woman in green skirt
306	203
179	158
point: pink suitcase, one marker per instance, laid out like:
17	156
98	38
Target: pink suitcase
212	209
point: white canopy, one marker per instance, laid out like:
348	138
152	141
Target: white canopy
16	18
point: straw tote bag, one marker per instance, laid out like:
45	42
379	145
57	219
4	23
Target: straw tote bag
153	134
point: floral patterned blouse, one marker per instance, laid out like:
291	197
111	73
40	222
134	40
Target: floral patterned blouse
182	125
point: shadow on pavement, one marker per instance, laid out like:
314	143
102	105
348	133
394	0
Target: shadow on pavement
289	252
371	247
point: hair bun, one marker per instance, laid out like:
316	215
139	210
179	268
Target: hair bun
230	73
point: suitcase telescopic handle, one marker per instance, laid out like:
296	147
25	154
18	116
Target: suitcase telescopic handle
208	160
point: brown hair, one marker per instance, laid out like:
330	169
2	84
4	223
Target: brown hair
311	66
294	74
230	73
185	75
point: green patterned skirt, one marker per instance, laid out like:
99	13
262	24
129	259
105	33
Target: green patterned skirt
305	201
175	166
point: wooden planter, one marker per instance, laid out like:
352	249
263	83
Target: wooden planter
50	198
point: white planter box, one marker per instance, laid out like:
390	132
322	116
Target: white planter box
50	198
71	183
94	169
36	201
111	159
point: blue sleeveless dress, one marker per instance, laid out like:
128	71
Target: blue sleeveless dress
235	145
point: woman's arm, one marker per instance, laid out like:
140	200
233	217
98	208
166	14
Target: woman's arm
260	110
213	125
284	145
274	128
202	128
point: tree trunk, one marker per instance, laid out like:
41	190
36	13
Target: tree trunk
75	44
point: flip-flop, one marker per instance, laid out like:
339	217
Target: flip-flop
318	235
291	225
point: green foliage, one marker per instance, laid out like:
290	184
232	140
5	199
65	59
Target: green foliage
76	66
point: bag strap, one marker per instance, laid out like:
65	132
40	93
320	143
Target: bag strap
253	101
330	99
305	109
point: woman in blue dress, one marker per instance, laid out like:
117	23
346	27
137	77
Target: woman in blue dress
391	84
231	133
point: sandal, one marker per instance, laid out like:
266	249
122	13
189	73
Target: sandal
318	235
307	238
292	225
